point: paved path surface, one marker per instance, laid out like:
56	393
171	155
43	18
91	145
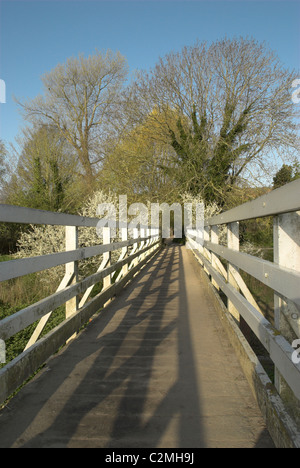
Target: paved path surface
155	369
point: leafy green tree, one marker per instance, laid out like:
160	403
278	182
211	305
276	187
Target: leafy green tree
135	166
46	174
285	175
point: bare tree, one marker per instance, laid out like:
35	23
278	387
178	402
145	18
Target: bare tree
231	105
80	99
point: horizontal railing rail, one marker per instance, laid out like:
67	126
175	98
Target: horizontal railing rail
24	266
282	280
223	264
282	200
137	246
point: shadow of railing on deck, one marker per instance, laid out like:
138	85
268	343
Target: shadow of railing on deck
109	373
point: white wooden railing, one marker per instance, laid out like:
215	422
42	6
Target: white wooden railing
143	244
282	275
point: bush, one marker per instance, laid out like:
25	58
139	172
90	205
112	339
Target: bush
44	240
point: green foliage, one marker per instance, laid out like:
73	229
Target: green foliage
285	175
191	148
16	294
9	235
201	172
258	232
45	173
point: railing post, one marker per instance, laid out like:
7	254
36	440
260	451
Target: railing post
142	244
155	236
106	256
135	261
286	236
124	232
72	270
206	252
233	243
214	237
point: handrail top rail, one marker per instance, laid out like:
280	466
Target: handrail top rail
278	201
23	215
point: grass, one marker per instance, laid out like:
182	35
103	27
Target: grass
6	258
17	294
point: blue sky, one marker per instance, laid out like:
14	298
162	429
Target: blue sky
37	35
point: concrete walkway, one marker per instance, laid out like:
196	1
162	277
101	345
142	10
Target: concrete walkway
154	369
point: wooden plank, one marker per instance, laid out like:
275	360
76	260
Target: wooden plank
25	266
233	243
19	214
71	269
23	215
107	256
214	237
67	279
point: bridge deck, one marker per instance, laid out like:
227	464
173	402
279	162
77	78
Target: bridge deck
155	369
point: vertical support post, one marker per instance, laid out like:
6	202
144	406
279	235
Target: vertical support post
155	237
135	246
286	236
206	253
152	240
200	246
233	243
124	232
148	234
143	243
106	256
214	237
106	260
72	269
160	228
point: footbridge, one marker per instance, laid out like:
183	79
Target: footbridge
156	346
